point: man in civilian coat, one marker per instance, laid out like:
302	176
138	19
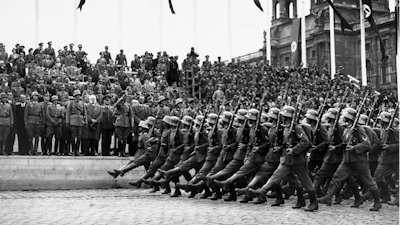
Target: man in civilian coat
23	144
91	133
107	126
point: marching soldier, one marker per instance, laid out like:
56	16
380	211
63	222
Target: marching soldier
76	119
292	161
148	145
34	117
178	110
388	161
6	121
54	117
319	148
356	144
107	126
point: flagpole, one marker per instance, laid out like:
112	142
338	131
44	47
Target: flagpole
303	36
268	35
120	21
75	38
332	41
362	47
230	30
161	25
398	52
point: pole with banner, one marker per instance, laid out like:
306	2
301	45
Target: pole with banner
303	35
332	41
397	11
362	47
295	42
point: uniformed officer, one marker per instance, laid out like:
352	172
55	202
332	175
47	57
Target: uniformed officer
6	121
43	137
162	111
76	119
356	144
34	117
54	116
107	126
123	124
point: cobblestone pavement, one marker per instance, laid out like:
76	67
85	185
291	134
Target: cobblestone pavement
138	206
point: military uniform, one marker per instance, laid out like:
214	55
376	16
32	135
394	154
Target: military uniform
54	117
6	122
34	117
123	126
107	129
76	119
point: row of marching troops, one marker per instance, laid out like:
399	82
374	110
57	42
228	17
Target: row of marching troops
67	125
250	153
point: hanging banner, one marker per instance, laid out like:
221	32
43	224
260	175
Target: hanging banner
294	46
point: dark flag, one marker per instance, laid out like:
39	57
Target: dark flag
343	22
171	7
81	3
367	7
294	47
258	4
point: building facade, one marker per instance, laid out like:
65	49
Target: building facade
380	74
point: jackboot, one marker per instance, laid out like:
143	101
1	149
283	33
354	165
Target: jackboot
246	199
167	174
217	195
317	186
261	195
358	200
279	197
177	192
137	183
313	202
394	201
232	195
155	189
207	192
327	199
114	173
300	199
377	201
385	193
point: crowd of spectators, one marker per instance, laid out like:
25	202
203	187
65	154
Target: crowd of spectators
149	78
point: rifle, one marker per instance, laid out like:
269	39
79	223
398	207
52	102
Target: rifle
257	125
354	126
386	131
336	122
376	120
295	120
213	132
226	131
376	94
320	113
196	135
151	131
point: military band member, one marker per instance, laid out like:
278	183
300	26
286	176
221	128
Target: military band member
76	119
6	122
54	117
34	117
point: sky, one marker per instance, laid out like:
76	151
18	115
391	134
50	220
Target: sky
139	26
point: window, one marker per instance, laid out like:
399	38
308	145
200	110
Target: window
278	10
368	47
290	10
313	54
